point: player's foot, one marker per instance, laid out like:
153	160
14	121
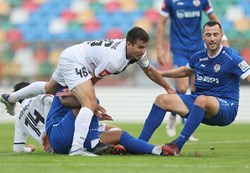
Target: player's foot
81	152
10	107
170	150
170	128
192	138
102	148
119	150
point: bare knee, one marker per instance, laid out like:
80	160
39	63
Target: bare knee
161	100
201	101
182	89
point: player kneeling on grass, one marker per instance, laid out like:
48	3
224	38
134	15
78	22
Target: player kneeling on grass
60	129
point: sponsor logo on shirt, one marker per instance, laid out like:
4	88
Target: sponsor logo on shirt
207	79
104	73
181	14
243	66
203	59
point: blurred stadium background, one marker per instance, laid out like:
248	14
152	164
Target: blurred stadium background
34	32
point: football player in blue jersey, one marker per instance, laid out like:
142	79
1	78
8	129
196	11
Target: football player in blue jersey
217	70
60	131
185	39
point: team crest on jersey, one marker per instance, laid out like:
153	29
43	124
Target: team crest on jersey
104	73
216	68
196	3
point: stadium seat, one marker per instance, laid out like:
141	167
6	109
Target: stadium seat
91	26
152	15
114	33
68	15
46	69
112	6
13	35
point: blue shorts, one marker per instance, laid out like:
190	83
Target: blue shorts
225	116
181	58
60	127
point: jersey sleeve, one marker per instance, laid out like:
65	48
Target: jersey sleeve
143	62
47	102
239	66
207	7
165	8
191	63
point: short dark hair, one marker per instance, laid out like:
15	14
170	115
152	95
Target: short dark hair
212	23
137	33
20	85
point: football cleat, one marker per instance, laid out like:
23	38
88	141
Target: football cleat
10	107
119	150
81	152
170	150
101	149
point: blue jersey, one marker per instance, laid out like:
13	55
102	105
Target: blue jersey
185	27
220	75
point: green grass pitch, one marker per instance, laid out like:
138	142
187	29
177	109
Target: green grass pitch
220	150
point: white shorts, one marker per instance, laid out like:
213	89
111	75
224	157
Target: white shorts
70	72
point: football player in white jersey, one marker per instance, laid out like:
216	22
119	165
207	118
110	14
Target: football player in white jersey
31	120
81	66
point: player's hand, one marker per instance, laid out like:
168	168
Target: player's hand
105	116
45	142
171	91
102	113
32	147
64	94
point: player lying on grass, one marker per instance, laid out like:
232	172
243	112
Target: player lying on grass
31	122
218	70
60	129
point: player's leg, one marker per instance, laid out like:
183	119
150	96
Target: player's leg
163	102
29	91
85	94
203	105
129	143
93	143
74	75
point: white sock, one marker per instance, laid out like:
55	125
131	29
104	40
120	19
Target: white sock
156	150
31	90
94	142
82	123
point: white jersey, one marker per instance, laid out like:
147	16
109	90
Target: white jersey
31	120
104	57
100	58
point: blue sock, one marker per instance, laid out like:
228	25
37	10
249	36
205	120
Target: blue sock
93	133
134	145
193	121
152	122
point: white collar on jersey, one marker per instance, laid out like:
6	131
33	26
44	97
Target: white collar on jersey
221	46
